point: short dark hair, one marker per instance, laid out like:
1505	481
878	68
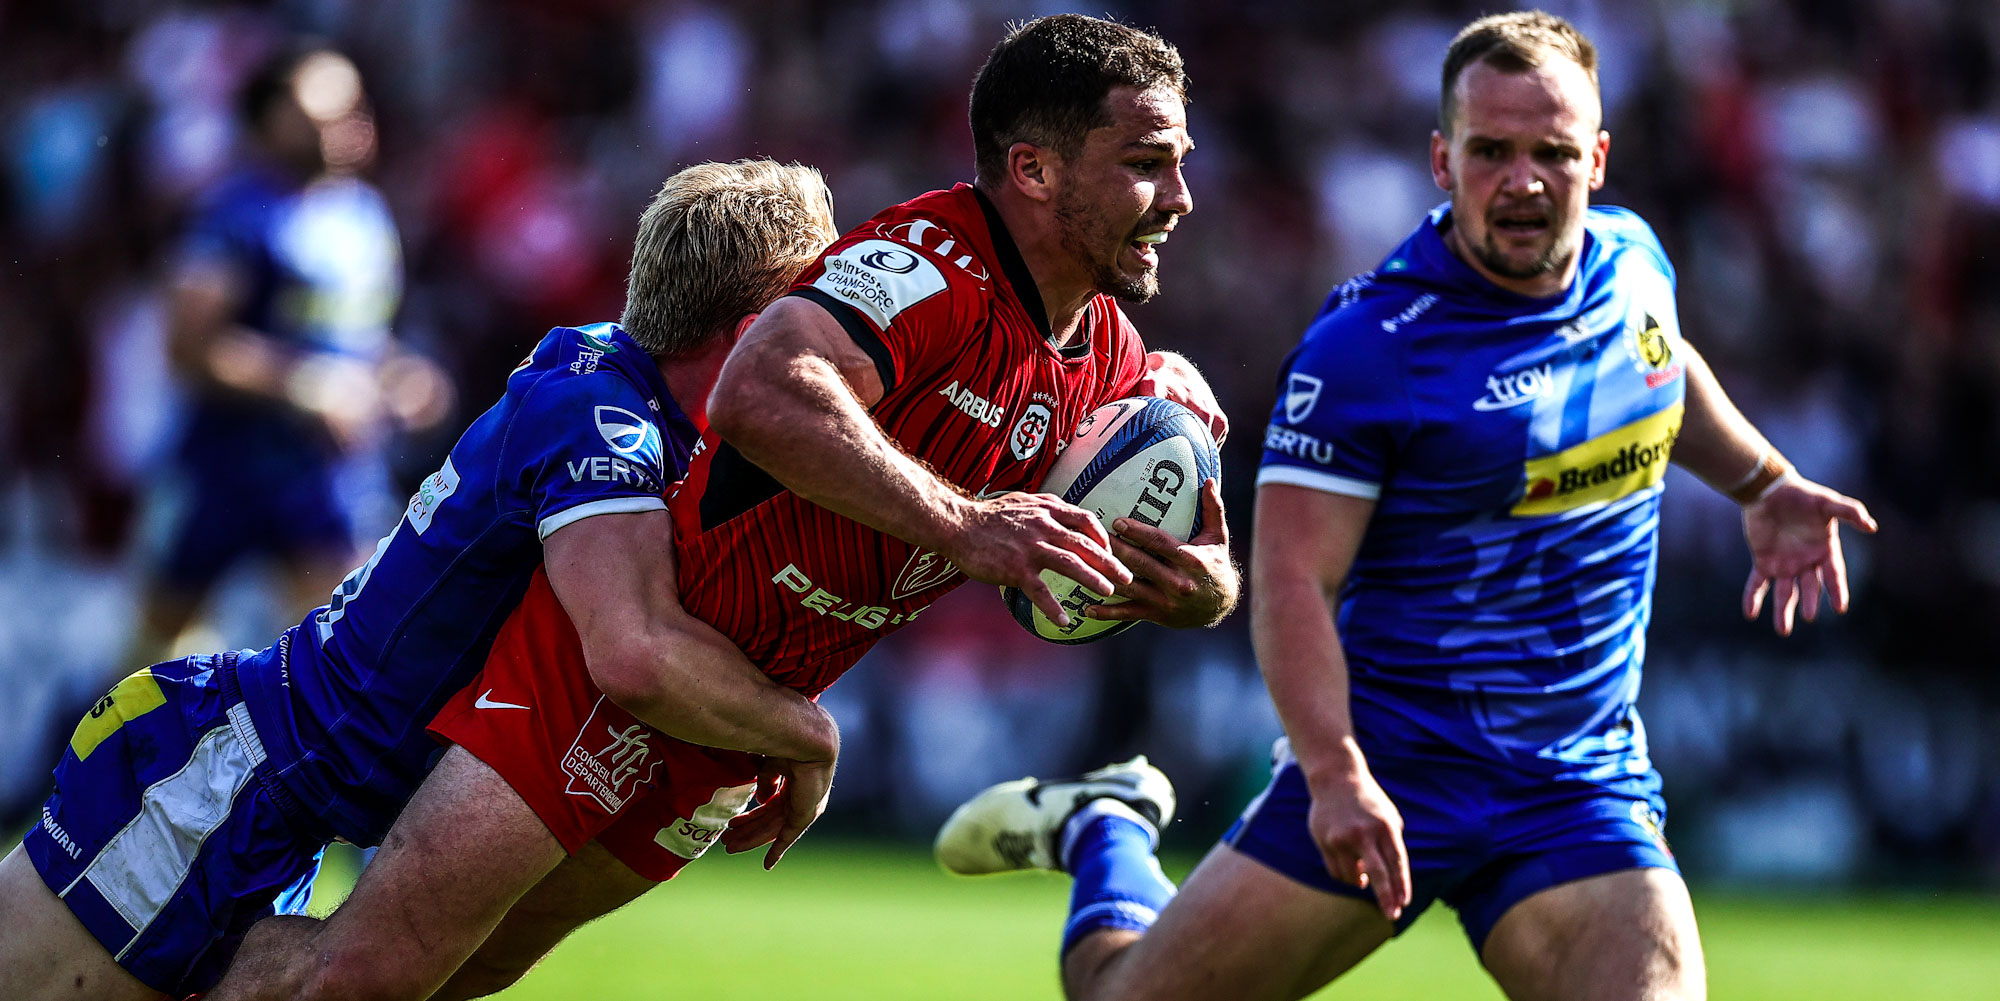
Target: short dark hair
1045	83
1514	43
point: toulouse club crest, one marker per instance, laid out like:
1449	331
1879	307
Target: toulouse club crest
1030	431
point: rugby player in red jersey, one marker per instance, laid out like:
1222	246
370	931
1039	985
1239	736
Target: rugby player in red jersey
875	436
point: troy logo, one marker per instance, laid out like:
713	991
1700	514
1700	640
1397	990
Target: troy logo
924	570
934	238
609	763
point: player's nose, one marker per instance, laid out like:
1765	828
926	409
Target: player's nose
1521	178
1174	195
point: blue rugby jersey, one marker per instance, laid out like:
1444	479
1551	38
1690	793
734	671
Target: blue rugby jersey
321	262
1515	449
321	272
340	703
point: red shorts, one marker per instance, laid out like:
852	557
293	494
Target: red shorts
590	770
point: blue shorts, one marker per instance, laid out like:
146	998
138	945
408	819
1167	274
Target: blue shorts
1481	836
250	481
220	523
165	836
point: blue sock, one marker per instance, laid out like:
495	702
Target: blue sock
1108	849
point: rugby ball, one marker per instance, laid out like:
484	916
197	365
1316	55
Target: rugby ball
1142	458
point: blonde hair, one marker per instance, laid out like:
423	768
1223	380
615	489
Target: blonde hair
1515	43
720	241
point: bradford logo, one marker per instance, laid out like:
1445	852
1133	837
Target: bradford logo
609	762
1605	468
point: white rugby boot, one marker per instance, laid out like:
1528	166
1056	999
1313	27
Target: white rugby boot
1019	824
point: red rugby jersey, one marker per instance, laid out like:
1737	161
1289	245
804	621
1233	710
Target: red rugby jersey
937	294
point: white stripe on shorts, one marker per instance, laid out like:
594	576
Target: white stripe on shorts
143	865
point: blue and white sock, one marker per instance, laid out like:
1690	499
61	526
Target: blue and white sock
1108	848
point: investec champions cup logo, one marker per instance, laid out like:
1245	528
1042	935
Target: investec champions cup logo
608	762
879	278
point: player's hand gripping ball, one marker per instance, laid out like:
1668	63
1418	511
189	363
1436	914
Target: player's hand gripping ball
1142	458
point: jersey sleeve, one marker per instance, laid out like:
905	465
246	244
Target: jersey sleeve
1342	411
1629	227
579	446
902	304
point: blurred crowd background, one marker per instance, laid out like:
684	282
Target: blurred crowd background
1825	173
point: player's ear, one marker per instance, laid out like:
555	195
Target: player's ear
1600	153
1032	171
736	333
1440	160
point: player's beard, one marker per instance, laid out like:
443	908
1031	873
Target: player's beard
1553	258
1083	235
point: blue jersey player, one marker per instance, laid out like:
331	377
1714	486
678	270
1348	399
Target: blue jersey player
1457	527
195	798
279	302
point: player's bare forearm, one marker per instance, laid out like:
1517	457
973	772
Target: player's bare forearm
1717	443
696	686
1298	651
615	576
794	398
1304	543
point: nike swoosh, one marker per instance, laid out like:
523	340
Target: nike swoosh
485	701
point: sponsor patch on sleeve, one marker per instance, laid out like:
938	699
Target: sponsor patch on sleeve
880	278
431	493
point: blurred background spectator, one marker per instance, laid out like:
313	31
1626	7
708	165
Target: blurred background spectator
1826	176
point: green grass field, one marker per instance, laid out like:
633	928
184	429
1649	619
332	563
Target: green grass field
841	921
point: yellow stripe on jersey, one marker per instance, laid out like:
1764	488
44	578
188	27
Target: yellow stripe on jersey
1604	468
134	697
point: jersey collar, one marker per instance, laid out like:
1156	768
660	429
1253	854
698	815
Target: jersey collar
1015	269
1013	266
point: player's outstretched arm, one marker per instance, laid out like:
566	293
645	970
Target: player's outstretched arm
794	399
1791	523
1303	546
615	577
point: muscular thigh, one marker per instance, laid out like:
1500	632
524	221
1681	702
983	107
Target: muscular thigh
1239	930
463	852
46	952
584	887
1621	936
